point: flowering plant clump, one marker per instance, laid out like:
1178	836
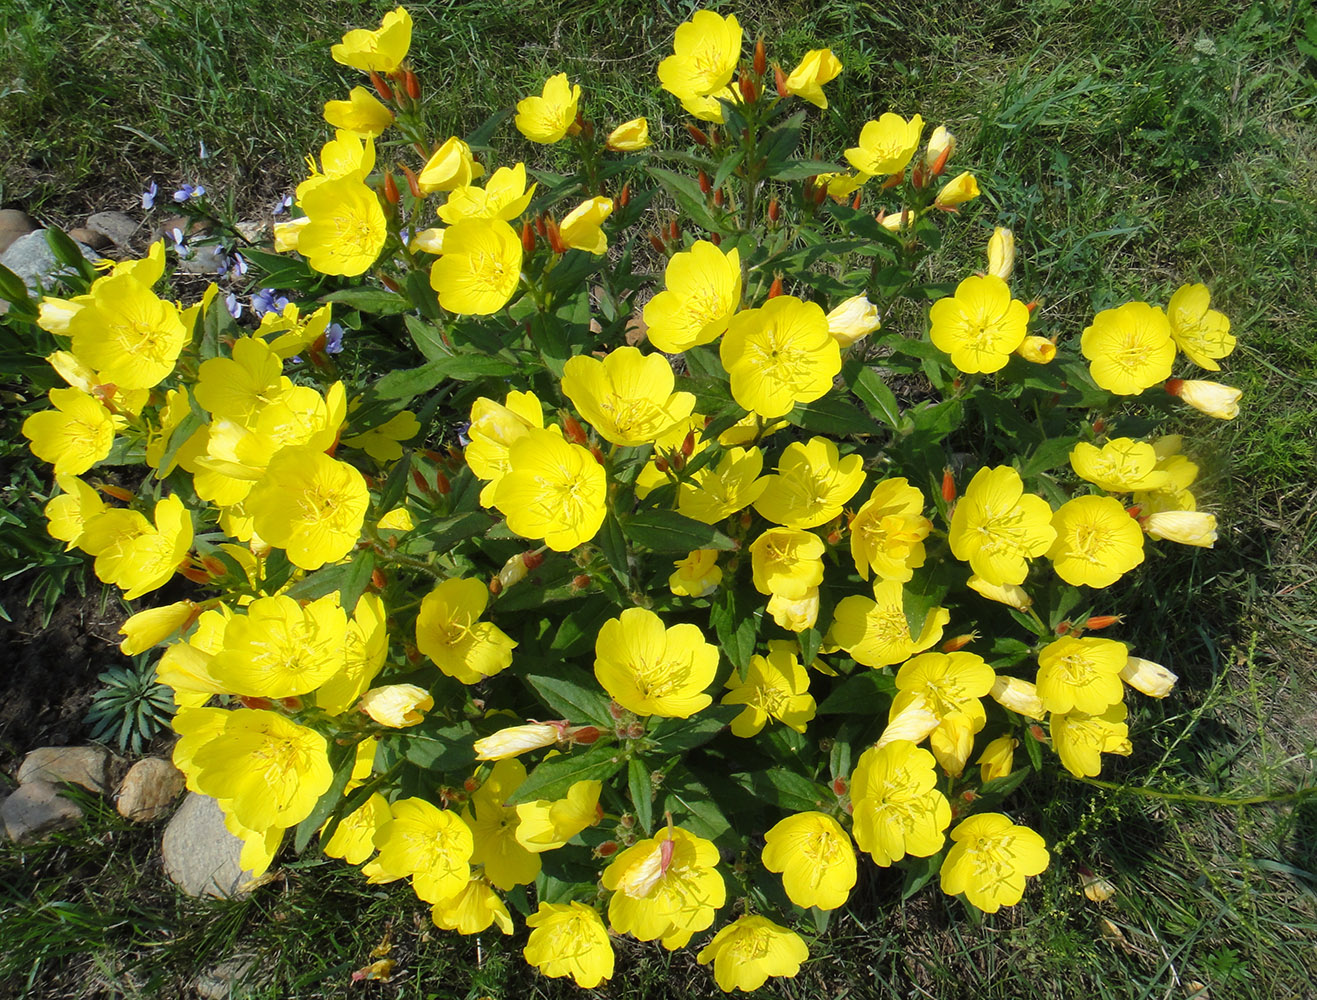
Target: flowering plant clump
610	634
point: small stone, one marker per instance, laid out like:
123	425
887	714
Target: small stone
222	981
91	238
199	853
91	767
207	259
31	258
252	232
116	226
190	228
14	224
36	809
148	790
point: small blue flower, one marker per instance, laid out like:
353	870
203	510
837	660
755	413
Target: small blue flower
233	305
239	267
188	191
333	339
148	196
180	246
283	204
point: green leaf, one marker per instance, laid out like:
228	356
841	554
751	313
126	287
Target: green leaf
278	570
795	170
668	531
423	296
428	338
1033	748
873	392
810	641
553	777
641	787
13	290
613	543
1001	787
832	415
702	815
574	696
1050	454
349	579
406	385
67	252
783	788
375	301
341	760
442	535
736	622
919	873
686	191
1006	652
866	693
680	735
178	437
438	747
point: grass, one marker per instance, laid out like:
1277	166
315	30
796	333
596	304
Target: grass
1132	146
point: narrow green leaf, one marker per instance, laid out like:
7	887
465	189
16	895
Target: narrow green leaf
613	543
641	787
428	338
877	397
574	695
177	438
783	788
553	777
686	191
375	301
341	759
679	735
668	531
349	580
832	415
866	693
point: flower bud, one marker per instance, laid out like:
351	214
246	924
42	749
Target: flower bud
775	289
780	80
656	241
1009	594
413	85
381	88
496	586
513	572
761	57
391	189
517	740
1001	253
441	484
1150	678
527	238
154	625
1188	527
957	191
606	850
572	430
377	580
397	705
748	90
555	239
1098	622
624	196
774	209
716	239
580	581
1038	350
705	184
959	642
941	145
719	198
629	137
1018	695
854	319
700	138
584	735
674	230
260	704
1212	398
858	200
948	485
839	787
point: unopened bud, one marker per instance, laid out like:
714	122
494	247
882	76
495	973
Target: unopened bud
260	704
948	485
959	642
761	58
585	735
118	492
858	200
718	198
381	88
834	536
390	189
495	586
1031	306
748	90
697	134
413	86
555	239
775	289
656	241
532	560
1099	425
441	484
1036	731
377	579
390	284
580	581
706	185
715	239
774	210
1098	622
513	571
661	464
1063	628
688	444
527	238
674	230
413	184
572	429
624	196
969	795
606	850
635	730
780	79
839	787
471	784
540	226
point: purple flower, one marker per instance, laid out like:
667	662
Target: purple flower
333	339
239	267
268	300
188	191
148	196
180	246
233	305
283	204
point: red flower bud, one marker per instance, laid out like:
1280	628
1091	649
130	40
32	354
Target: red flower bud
470	784
532	559
715	239
572	429
624	196
598	454
969	795
607	849
495	586
413	86
857	200
412	184
390	189
656	241
748	90
555	240
839	787
1099	425
780	79
774	210
381	88
390	284
580	581
584	735
674	230
1174	386
718	198
705	184
260	704
540	227
527	238
959	642
377	579
775	289
1103	621
688	444
948	485
761	58
696	134
1036	731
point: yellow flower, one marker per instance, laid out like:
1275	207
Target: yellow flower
652	670
431	240
154	625
815	858
569	939
876	632
629	137
960	189
132	554
1181	473
504	196
698	575
472	910
431	845
1147	677
354	840
989	860
553	490
378	51
287	235
749	950
666	888
546	826
397	705
383	443
1203	334
271	770
898	808
494	429
853	320
309	505
1001	253
1129	348
980	326
365	647
627	397
1010	594
819	66
1080	740
480	267
515	740
398	519
780	355
996	526
787	562
447	631
812	485
362	113
74	436
886	145
998	758
549	117
888	532
795	614
1018	695
841	186
706	50
1212	398
127	333
493	826
776	687
451	166
1081	674
581	230
912	723
949	684
279	648
347	228
1119	466
185	666
709	107
718	492
1184	526
1097	542
702	291
239	387
941	147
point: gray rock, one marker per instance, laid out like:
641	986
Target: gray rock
148	790
222	981
90	237
252	232
199	854
116	226
36	809
207	259
91	767
30	258
14	224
